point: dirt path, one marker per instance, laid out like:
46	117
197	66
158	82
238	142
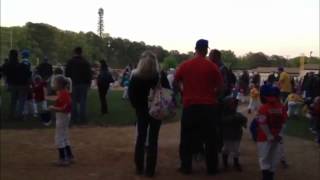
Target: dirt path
107	153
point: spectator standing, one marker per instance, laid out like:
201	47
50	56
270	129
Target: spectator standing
45	69
272	78
284	84
144	78
103	81
256	79
229	81
201	81
315	86
10	70
244	81
79	70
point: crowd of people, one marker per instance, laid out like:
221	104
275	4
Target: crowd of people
211	93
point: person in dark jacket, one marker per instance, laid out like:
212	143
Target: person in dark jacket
244	81
18	77
315	86
79	70
144	78
103	81
272	78
307	84
45	69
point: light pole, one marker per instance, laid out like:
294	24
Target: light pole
108	50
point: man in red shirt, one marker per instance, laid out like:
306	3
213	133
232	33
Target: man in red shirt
201	81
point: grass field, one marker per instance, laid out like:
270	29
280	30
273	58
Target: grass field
299	127
120	113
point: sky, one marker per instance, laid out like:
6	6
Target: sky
284	27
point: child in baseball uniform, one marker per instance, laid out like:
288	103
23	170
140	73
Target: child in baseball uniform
62	109
39	90
232	124
271	118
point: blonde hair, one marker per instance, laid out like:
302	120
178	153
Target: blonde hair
148	65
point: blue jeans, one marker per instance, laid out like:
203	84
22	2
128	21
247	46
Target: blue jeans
19	96
79	97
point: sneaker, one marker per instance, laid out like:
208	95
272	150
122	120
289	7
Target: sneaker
47	123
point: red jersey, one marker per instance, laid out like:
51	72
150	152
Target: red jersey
38	90
200	79
64	101
274	115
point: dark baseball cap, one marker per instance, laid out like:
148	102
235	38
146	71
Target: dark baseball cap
202	44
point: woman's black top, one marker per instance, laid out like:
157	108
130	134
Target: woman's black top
139	89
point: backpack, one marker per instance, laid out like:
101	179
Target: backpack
254	129
161	103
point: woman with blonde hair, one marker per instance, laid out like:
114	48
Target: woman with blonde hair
145	77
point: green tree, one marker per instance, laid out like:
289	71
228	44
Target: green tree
257	60
169	62
278	60
228	57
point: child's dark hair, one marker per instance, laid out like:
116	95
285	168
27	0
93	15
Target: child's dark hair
62	81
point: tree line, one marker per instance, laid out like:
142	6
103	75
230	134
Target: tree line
44	40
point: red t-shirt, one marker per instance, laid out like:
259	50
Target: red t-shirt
274	115
200	79
63	101
38	90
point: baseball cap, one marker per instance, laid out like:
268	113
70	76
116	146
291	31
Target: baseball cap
25	53
202	44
